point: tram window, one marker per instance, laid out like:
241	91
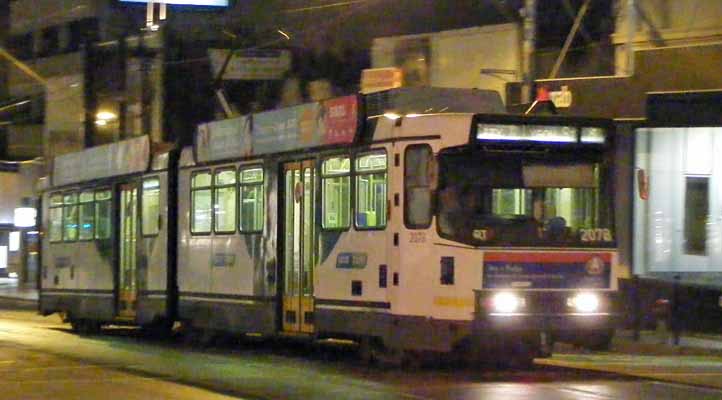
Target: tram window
70	217
102	214
252	200
336	193
201	203
371	191
150	202
225	201
86	216
417	186
56	218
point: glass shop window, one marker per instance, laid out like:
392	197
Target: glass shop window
696	212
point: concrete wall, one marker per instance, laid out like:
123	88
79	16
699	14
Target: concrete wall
661	23
455	58
30	15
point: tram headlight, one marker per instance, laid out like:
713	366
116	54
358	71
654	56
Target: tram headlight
585	302
506	302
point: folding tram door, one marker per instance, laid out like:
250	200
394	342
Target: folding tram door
127	250
299	248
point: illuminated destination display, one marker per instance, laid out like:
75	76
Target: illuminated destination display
206	3
539	133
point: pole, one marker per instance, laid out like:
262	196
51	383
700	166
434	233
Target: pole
631	23
529	33
570	38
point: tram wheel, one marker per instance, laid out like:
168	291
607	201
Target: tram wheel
85	326
76	325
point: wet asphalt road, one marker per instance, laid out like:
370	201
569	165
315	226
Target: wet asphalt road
41	359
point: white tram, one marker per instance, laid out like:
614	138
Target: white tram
413	233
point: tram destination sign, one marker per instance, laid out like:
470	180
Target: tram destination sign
114	159
334	121
568	270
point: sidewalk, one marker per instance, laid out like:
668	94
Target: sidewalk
14	296
696	361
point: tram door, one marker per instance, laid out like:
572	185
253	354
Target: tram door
299	246
128	260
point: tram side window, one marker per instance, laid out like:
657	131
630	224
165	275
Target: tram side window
102	214
150	201
70	217
56	218
336	193
86	216
417	186
201	203
371	191
252	200
224	207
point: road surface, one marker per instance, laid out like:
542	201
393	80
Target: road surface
41	359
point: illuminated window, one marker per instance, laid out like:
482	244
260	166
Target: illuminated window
511	201
371	191
14	241
70	217
87	217
252	204
696	211
417	186
102	214
224	207
201	203
56	218
150	202
336	186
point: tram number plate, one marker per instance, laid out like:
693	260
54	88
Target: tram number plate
596	235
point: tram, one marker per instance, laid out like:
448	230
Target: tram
408	233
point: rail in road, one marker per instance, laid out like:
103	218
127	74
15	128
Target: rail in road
120	358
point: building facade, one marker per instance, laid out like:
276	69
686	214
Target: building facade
660	47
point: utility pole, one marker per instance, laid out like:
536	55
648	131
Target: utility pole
529	34
631	24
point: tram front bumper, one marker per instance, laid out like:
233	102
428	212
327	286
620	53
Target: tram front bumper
544	311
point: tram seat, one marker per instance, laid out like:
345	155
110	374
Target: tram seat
367	218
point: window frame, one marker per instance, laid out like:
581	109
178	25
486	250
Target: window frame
239	197
95	211
407	223
322	176
80	203
77	205
214	198
192	202
51	207
354	188
142	197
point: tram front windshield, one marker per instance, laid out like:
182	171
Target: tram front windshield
513	199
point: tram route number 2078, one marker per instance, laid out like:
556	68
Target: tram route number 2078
596	235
